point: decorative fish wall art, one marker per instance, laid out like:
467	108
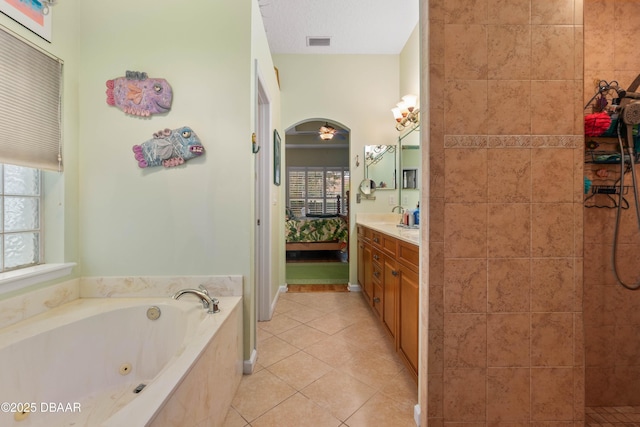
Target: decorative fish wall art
138	95
169	148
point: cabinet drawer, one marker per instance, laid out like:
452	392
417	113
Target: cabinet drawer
409	255
376	272
389	245
376	238
376	256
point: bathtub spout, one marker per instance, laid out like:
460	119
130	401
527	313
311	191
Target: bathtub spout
211	304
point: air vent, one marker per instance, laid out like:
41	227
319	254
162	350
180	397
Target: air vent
318	41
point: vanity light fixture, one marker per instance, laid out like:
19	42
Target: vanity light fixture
46	4
406	113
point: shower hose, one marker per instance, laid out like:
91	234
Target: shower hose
630	115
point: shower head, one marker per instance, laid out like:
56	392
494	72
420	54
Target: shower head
631	113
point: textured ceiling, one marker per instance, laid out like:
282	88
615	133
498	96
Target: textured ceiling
355	26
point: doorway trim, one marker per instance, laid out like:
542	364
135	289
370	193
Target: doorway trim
263	233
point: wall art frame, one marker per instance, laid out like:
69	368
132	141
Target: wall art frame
276	157
28	13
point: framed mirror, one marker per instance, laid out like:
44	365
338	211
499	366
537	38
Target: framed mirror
380	165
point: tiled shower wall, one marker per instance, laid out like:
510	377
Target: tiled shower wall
611	313
506	170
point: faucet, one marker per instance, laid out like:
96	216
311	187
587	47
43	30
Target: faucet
393	209
211	304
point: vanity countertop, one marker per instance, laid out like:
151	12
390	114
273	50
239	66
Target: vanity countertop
388	224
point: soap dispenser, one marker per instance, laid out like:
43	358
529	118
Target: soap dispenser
416	215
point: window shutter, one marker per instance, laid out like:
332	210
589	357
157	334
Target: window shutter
30	105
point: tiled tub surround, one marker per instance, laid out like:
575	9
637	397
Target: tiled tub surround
195	391
505	245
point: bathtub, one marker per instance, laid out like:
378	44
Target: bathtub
104	362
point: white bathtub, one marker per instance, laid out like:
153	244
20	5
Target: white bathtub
78	365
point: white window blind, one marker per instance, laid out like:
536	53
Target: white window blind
317	189
30	98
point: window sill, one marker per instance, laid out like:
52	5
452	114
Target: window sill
18	279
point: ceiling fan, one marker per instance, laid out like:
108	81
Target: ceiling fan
327	132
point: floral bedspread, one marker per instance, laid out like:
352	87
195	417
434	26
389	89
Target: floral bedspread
317	230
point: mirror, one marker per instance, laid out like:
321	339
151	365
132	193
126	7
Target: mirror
367	187
380	166
410	160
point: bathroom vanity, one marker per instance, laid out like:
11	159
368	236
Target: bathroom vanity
388	273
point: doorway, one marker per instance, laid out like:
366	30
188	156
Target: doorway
263	237
317	178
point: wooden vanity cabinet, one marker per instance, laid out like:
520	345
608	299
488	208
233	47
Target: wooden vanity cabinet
388	274
365	274
408	305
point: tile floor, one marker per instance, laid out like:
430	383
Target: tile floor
628	416
324	360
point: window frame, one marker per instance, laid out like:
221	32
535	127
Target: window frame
345	180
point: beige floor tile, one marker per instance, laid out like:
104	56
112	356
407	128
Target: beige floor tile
262	335
333	352
273	350
327	383
372	369
299	370
381	411
341	394
285	306
302	336
278	324
305	314
234	419
258	393
332	323
402	388
297	411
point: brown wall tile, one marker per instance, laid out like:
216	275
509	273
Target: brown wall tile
465	396
465	175
465	340
508	285
465	285
508	340
552	284
509	230
552	394
551	339
508	394
509	176
465	230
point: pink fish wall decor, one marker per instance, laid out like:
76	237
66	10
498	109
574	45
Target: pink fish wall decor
138	95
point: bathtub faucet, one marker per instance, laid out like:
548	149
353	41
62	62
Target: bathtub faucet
211	304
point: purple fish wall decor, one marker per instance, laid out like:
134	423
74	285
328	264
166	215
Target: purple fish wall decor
138	95
169	148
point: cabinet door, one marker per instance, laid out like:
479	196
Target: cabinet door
408	301
390	294
360	261
367	266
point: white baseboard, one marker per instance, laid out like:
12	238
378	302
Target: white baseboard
248	365
283	289
354	288
416	414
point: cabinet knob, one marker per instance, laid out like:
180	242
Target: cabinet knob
376	299
375	239
394	272
376	257
376	273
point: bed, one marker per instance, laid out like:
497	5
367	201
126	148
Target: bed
319	233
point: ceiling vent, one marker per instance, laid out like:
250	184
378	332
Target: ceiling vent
318	41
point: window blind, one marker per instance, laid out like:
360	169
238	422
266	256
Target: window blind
30	105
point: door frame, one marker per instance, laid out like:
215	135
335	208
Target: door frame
263	232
